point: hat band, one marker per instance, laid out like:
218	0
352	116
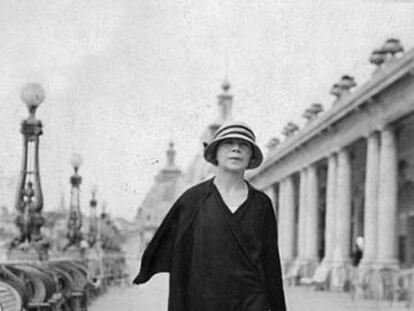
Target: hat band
243	128
240	135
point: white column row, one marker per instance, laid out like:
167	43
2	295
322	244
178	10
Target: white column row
380	218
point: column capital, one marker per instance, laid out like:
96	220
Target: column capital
386	128
332	153
285	178
372	133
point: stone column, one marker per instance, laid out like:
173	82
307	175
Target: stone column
343	212
371	199
302	226
387	202
330	219
312	215
289	216
282	224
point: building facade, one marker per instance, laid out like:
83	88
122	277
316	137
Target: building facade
349	173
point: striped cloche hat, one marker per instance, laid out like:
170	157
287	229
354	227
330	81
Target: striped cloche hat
234	129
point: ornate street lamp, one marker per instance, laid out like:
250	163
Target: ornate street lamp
93	218
74	234
29	196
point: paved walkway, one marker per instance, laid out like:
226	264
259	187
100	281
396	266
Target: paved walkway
153	297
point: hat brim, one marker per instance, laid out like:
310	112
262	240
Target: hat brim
211	149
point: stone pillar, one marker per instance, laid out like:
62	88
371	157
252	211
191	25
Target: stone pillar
387	203
330	219
282	224
302	226
289	217
343	212
312	215
371	199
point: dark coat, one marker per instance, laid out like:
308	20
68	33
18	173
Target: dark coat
171	247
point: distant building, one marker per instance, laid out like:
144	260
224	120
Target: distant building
8	185
8	230
167	187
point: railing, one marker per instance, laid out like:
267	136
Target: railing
384	284
391	287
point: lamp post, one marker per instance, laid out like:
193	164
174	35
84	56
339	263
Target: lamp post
74	234
93	220
29	196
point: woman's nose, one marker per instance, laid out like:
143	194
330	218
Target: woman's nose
235	147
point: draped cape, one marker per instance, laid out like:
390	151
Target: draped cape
171	248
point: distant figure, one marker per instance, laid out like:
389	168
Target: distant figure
358	252
219	240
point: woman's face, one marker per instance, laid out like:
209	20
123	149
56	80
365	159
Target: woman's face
234	154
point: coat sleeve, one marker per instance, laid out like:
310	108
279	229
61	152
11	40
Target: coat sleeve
271	260
158	254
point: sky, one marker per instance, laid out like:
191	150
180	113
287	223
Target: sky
123	78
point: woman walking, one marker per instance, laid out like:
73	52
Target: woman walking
219	240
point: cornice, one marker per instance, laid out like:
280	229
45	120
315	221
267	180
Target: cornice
383	78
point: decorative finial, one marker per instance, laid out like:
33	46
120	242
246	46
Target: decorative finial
317	108
336	90
378	57
343	86
347	82
171	155
290	129
393	46
273	143
313	111
226	85
307	114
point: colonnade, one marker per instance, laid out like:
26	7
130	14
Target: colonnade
299	242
